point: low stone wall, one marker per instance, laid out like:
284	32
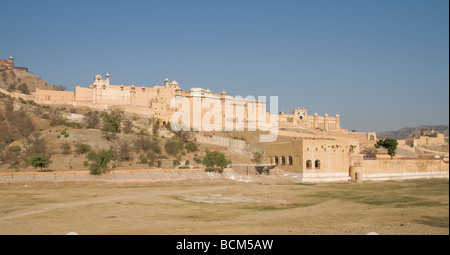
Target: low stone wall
392	169
233	144
119	176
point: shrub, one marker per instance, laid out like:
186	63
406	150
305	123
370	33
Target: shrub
66	148
112	120
173	146
191	146
144	143
92	119
99	161
143	159
127	126
198	160
15	148
39	160
83	148
215	161
257	157
123	151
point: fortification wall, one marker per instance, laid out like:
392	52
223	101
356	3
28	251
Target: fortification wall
387	169
54	97
119	176
233	144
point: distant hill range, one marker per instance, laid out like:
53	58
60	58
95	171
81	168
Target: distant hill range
409	132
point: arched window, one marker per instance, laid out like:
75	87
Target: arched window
275	159
299	162
290	160
308	164
283	160
317	164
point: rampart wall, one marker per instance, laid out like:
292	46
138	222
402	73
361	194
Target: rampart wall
403	168
117	176
233	144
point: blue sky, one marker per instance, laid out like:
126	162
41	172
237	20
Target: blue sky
382	65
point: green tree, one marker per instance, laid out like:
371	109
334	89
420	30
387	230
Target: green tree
215	161
83	148
60	87
23	88
389	143
99	161
155	128
173	146
92	120
257	157
112	120
127	126
191	146
39	160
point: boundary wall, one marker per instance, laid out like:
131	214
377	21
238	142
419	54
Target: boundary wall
233	144
401	168
118	176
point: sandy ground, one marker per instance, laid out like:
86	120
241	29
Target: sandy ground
263	205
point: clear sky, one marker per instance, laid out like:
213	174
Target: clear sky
381	65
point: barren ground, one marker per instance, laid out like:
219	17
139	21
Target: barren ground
265	205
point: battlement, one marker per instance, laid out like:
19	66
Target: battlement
8	64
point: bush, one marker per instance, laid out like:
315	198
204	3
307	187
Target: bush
127	126
92	120
152	157
198	160
145	143
83	148
39	160
191	146
99	161
15	148
143	159
215	161
112	120
257	157
66	148
123	151
23	88
173	146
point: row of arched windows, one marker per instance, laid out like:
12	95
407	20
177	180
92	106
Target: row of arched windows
282	161
309	164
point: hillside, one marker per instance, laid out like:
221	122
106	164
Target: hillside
409	132
17	77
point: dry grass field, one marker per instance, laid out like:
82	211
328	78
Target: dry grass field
264	205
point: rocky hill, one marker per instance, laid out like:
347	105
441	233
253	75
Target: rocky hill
409	132
14	78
